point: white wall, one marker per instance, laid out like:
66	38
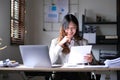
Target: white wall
35	24
11	52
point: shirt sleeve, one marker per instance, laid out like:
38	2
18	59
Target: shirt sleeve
54	51
85	42
94	61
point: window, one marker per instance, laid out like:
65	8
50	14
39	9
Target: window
17	22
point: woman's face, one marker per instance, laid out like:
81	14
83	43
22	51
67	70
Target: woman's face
71	30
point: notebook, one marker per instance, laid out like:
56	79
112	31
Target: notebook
35	56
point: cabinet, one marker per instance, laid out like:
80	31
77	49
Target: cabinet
100	39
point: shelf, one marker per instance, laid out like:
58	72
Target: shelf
105	40
89	22
102	40
100	23
110	42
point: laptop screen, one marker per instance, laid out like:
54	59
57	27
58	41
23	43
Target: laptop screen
35	55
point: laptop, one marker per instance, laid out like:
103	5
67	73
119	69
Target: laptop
35	55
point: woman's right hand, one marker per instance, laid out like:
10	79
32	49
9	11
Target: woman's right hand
64	40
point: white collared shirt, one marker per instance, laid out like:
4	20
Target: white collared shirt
56	55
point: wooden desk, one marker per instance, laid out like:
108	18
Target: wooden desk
105	70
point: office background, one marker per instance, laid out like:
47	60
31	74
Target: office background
34	23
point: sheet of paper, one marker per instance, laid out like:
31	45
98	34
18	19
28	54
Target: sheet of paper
23	66
77	54
84	66
95	66
72	66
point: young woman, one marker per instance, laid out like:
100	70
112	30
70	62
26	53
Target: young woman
60	48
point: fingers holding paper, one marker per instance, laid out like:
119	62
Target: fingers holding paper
88	58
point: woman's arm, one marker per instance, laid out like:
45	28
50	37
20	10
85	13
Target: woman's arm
54	51
90	57
94	61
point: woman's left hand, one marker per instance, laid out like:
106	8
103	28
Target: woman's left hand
88	58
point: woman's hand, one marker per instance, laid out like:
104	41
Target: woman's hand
88	58
64	40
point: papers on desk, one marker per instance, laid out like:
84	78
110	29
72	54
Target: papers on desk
8	63
95	66
113	62
84	66
72	66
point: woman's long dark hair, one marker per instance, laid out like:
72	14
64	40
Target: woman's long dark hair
65	24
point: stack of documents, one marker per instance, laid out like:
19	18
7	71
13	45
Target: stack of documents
113	62
8	63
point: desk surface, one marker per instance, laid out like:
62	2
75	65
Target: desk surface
59	69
